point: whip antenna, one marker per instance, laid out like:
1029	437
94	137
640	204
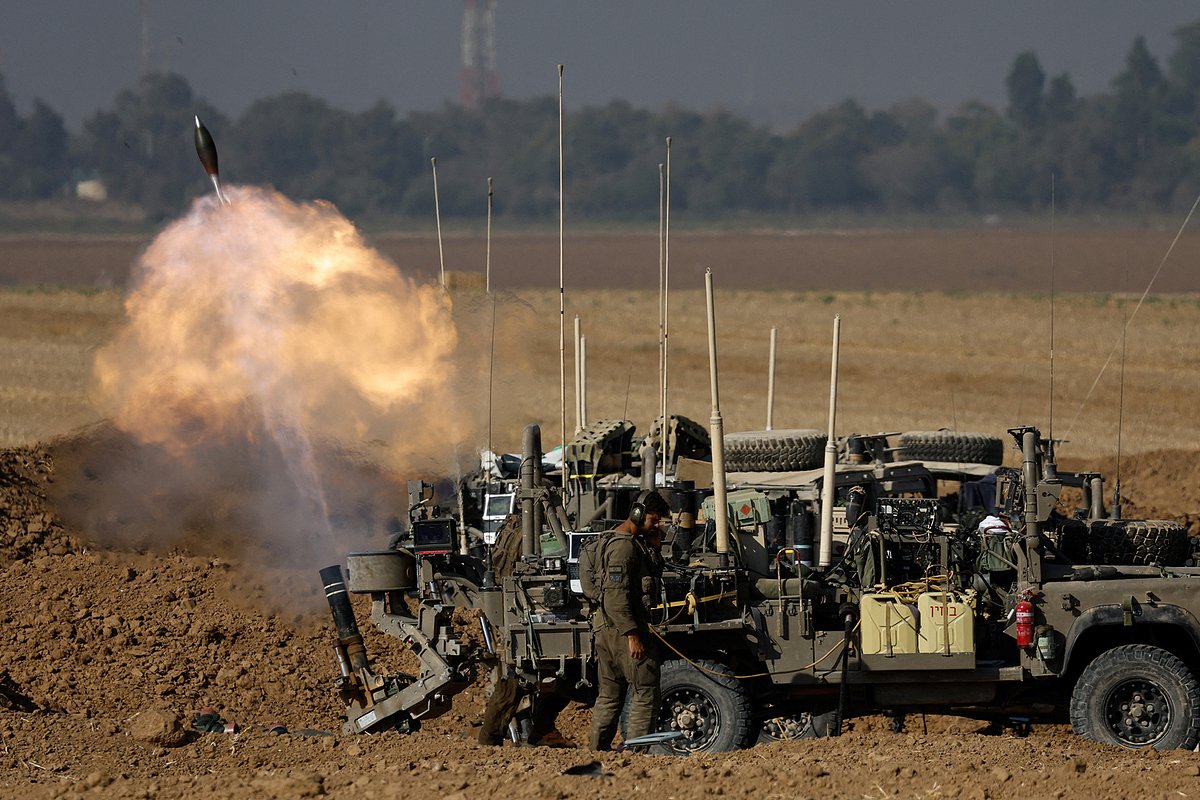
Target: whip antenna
562	307
1116	503
1051	445
437	212
1129	321
661	281
666	336
487	268
492	343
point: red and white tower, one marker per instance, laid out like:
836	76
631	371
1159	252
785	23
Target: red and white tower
479	79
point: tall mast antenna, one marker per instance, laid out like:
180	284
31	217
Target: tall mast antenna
1116	503
661	364
666	336
487	268
437	212
492	343
1052	208
562	303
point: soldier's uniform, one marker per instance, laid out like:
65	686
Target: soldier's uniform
630	575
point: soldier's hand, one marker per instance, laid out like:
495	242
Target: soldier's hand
637	651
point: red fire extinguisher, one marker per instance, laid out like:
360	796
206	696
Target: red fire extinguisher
1024	610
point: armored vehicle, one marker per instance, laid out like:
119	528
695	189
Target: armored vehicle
761	641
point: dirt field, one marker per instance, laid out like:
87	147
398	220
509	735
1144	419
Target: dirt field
997	260
106	648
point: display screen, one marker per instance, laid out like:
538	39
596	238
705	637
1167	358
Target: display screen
433	533
499	505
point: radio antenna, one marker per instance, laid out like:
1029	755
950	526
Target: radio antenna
1116	503
1129	321
661	281
1052	209
437	212
492	343
562	303
666	336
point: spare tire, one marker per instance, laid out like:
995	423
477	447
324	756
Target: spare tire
1137	542
1072	540
774	451
961	448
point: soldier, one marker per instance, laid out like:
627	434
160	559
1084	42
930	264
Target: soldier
628	574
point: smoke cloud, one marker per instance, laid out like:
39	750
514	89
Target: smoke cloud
272	378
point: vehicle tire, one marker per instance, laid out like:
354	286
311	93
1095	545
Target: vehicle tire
774	451
813	724
711	707
1137	542
1137	696
960	448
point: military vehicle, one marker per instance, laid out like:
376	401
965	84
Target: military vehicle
914	615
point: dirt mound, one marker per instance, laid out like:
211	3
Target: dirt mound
28	525
101	643
1161	484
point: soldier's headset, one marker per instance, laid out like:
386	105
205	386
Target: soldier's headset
637	511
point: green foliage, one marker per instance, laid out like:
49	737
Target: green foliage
1133	148
1026	99
33	151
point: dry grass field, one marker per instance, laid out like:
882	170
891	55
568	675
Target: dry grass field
914	360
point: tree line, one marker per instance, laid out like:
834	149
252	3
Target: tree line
1133	147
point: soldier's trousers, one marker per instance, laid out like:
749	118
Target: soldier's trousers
619	674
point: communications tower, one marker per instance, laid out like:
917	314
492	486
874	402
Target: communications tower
479	79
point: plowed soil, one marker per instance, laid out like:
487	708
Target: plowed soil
997	260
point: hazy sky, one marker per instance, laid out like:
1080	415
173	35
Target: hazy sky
775	61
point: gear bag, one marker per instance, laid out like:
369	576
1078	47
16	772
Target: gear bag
591	565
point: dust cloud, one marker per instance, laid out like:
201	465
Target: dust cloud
273	379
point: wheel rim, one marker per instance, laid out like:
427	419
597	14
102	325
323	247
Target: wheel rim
693	713
1138	712
792	726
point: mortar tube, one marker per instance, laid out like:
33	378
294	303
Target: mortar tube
1033	528
716	433
349	638
829	476
530	456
